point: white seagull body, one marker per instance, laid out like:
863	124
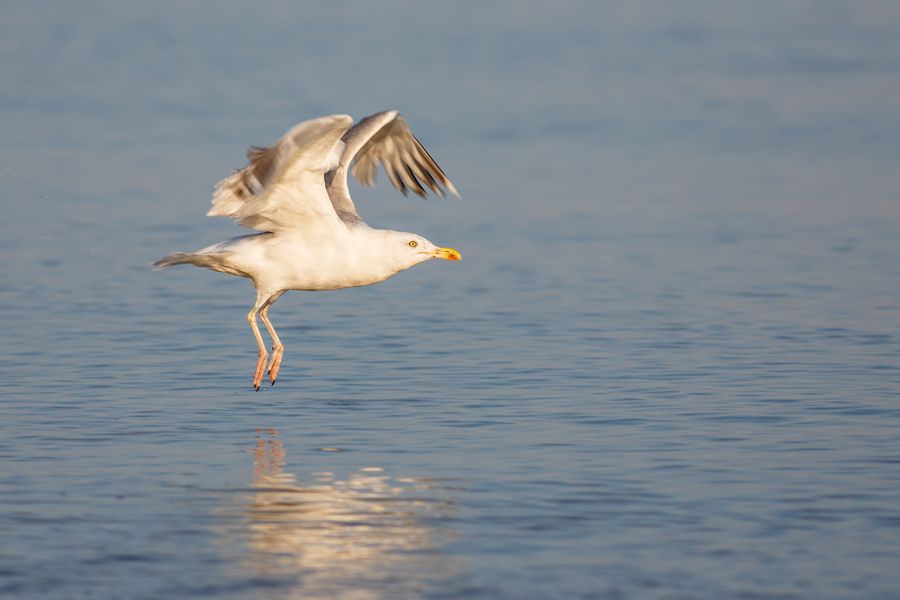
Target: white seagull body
295	193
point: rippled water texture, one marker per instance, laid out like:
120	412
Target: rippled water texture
667	366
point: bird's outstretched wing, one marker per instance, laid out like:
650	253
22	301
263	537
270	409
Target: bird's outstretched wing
384	138
283	185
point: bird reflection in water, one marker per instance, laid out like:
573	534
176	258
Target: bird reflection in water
367	535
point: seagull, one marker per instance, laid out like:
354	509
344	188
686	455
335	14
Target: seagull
310	236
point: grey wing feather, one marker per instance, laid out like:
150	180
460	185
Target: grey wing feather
282	185
386	139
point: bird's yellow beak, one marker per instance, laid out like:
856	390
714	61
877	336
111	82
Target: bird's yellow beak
446	254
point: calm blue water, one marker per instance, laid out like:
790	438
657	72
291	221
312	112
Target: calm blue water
667	367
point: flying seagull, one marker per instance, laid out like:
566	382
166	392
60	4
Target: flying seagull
310	236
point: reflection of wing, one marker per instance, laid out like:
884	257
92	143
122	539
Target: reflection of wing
282	187
384	138
367	531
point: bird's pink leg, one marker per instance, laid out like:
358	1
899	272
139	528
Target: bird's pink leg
277	346
261	361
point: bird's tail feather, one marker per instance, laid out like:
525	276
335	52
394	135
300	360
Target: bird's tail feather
187	258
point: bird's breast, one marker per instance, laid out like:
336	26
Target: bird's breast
327	266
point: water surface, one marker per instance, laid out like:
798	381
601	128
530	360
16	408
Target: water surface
667	366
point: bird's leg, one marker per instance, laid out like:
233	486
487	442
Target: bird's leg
261	361
277	346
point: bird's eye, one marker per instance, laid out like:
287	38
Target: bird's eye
413	243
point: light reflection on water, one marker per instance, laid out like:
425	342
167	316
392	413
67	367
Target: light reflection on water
366	535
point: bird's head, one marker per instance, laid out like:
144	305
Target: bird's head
409	249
